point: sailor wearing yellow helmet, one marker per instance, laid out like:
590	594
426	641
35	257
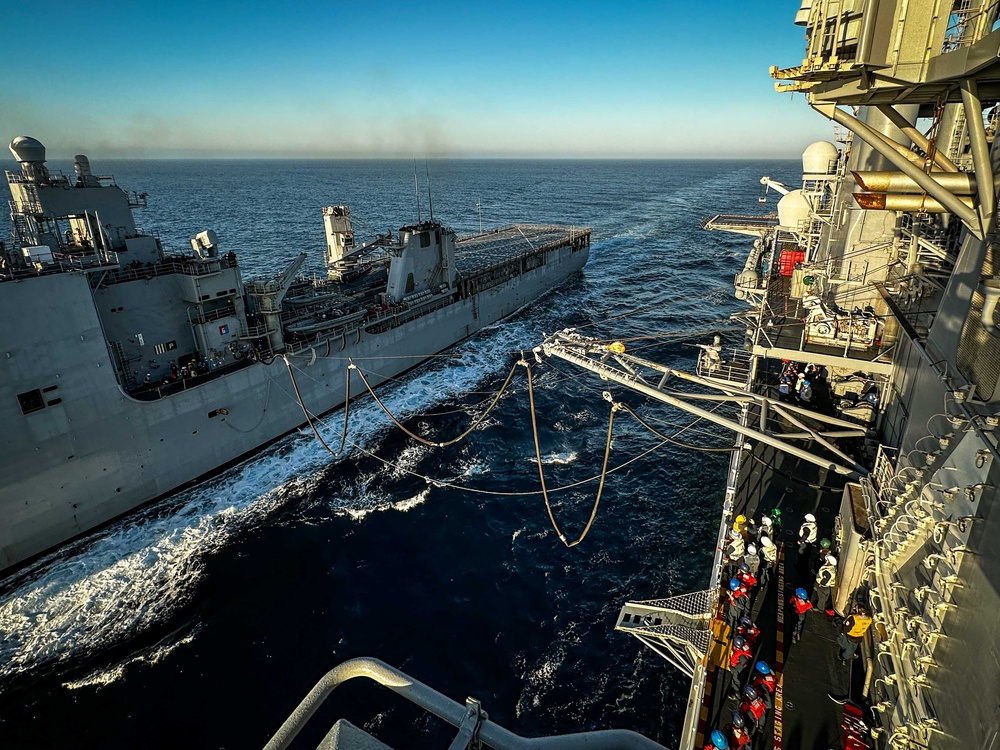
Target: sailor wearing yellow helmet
740	526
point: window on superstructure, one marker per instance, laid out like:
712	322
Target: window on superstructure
31	401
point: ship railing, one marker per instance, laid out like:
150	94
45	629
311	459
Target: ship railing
170	387
385	320
735	368
263	287
56	177
256	331
29	206
61	263
171	265
474	727
207	317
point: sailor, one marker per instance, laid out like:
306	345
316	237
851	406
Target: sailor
748	579
752	708
769	556
712	359
739	600
740	525
739	657
734	551
807	535
148	380
853	632
799	380
785	389
820	557
748	630
776	523
765	682
752	560
805	392
765	528
800	604
825	579
719	741
739	737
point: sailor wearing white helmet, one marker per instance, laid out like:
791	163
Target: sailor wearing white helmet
826	577
769	556
807	534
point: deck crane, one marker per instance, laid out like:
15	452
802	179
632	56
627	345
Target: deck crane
767	183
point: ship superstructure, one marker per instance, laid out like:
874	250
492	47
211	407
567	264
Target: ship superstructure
878	279
131	369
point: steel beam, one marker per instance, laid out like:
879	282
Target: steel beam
884	146
609	373
916	136
980	153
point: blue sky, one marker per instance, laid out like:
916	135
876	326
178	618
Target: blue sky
469	79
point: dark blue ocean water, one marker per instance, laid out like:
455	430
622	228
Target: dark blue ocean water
202	621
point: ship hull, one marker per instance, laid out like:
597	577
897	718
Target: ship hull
98	453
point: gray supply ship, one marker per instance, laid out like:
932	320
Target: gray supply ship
129	370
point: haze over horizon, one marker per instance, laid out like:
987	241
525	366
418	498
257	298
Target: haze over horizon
384	79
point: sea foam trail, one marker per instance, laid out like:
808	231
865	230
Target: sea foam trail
116	584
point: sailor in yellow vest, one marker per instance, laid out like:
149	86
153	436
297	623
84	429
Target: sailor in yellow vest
853	632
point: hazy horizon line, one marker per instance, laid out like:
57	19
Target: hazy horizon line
427	158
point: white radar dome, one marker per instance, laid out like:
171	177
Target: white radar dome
27	149
820	158
793	209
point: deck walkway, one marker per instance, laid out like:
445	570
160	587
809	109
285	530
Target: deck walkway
809	671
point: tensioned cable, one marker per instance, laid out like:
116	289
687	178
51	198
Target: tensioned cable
682	444
475	423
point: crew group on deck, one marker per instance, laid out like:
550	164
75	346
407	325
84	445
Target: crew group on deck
751	559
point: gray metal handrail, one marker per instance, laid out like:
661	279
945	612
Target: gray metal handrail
445	708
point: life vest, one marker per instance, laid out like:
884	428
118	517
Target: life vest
756	708
808	532
750	633
738	655
826	576
740	738
801	606
767	682
747	579
859	625
770	553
